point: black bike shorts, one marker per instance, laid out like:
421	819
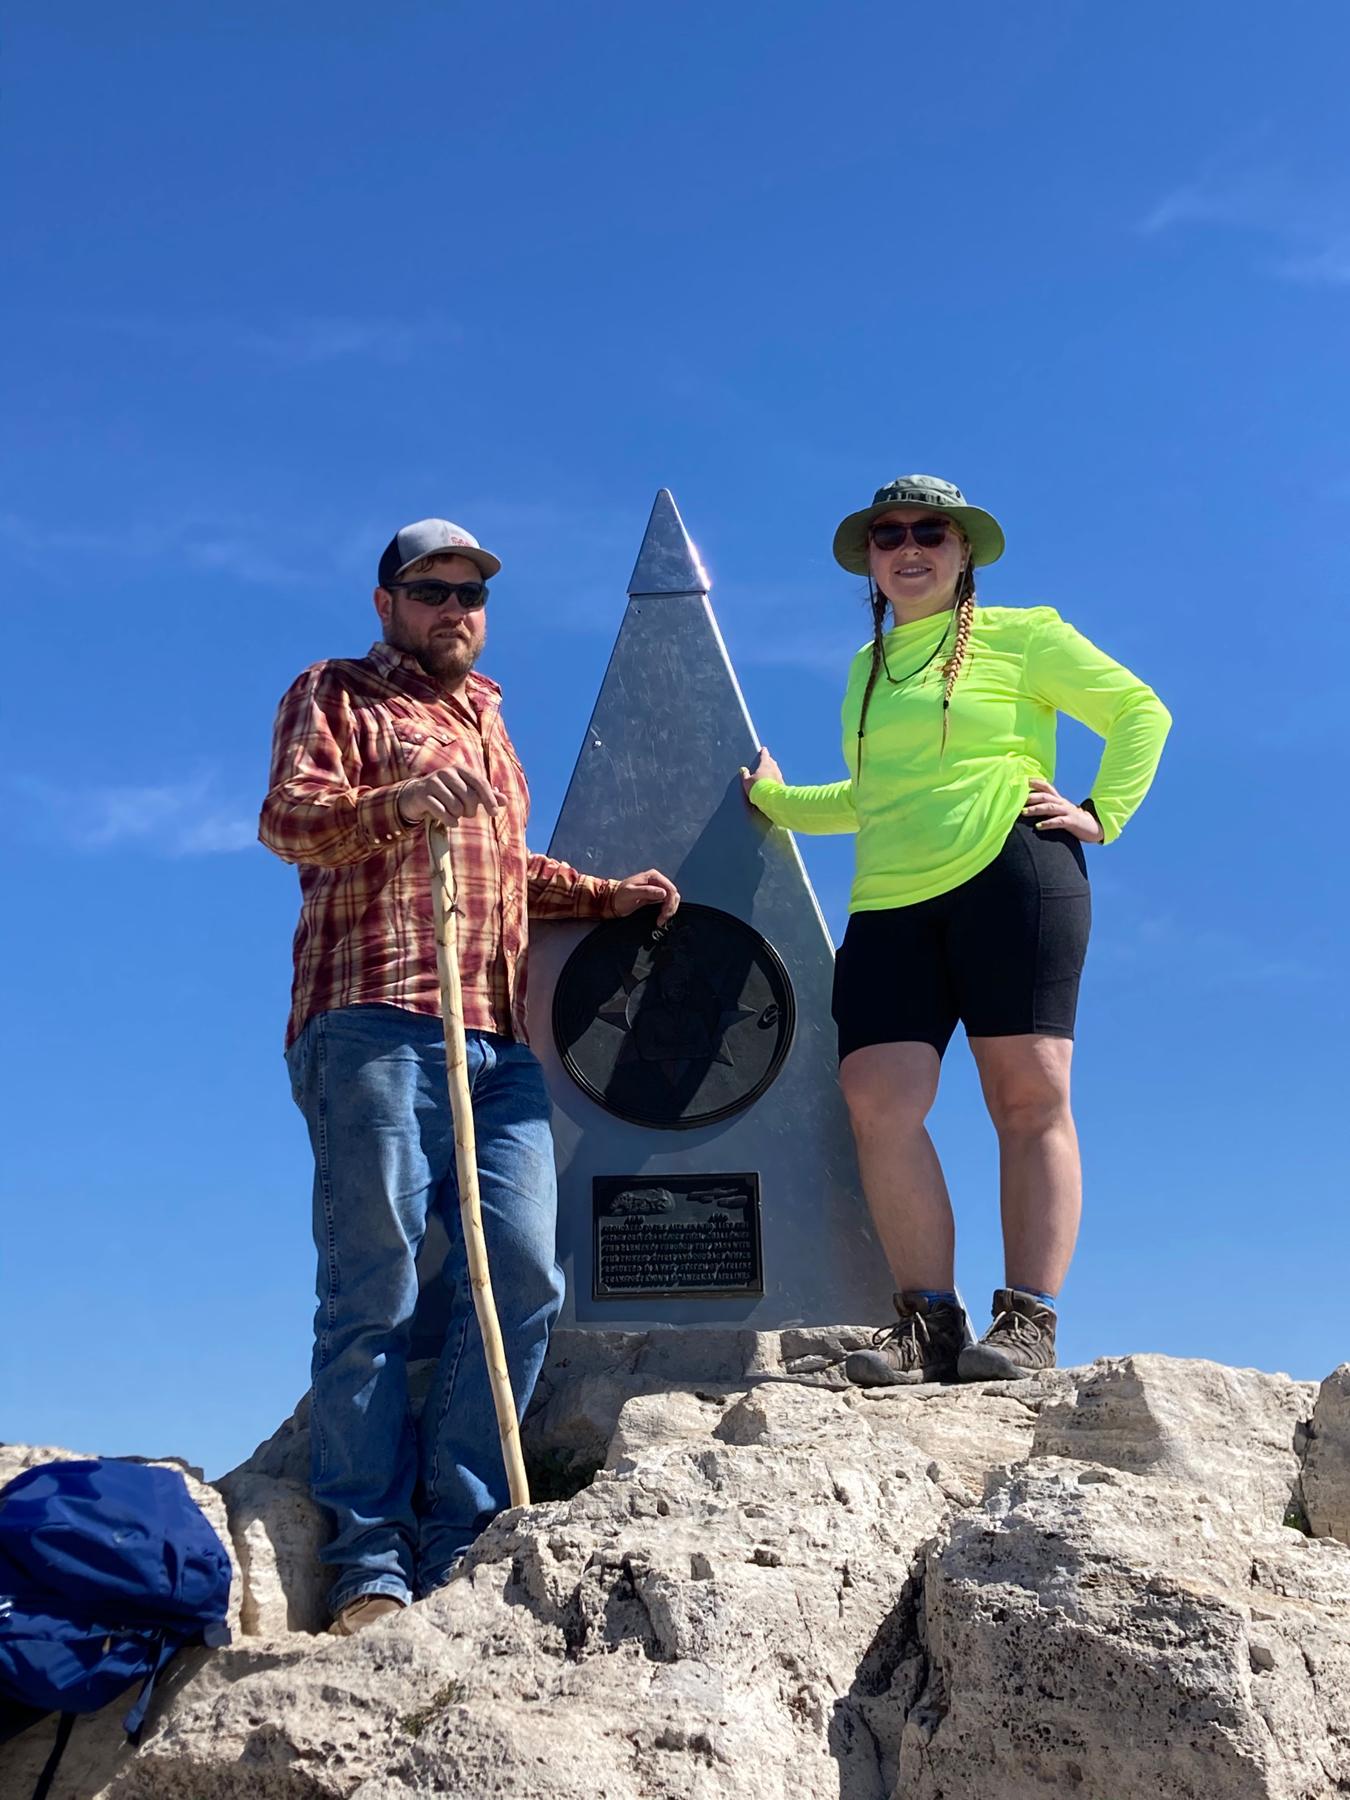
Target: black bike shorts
1002	953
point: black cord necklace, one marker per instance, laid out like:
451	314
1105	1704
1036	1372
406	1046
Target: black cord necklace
899	681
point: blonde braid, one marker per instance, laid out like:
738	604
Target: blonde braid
965	619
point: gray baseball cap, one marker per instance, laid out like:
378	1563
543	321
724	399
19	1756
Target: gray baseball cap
433	537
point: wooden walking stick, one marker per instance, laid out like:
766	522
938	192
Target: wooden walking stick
466	1158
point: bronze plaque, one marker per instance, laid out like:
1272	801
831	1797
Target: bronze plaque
676	1235
674	1026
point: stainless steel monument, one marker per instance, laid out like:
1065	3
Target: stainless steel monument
706	1170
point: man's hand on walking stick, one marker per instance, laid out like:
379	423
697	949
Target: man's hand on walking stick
448	795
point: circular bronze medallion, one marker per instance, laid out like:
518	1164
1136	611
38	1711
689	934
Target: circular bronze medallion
677	1025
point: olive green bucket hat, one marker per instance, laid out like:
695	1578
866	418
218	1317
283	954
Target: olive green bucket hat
982	529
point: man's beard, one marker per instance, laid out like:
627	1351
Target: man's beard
445	659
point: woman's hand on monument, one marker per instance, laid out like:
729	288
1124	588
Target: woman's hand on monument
1047	808
446	796
650	888
765	769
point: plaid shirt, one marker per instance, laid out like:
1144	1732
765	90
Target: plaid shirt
349	736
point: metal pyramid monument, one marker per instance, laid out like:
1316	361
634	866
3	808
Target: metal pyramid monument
706	1170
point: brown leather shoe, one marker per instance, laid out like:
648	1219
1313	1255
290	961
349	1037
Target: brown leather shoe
922	1345
366	1609
1020	1342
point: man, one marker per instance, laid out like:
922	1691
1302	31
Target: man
364	753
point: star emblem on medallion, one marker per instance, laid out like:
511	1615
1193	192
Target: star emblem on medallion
671	1014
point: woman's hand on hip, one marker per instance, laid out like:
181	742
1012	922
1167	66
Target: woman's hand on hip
1048	810
765	769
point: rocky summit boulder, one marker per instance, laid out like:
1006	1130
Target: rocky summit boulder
779	1588
1229	1433
1094	1632
1326	1468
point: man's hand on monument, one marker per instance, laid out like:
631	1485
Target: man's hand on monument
650	888
448	795
765	769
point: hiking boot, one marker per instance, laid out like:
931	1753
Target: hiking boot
366	1609
922	1345
1020	1342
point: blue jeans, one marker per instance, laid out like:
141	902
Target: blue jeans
406	1500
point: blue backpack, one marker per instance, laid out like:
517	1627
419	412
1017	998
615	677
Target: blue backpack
107	1570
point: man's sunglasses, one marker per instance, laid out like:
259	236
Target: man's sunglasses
927	533
472	595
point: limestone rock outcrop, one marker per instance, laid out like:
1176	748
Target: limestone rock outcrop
780	1588
1326	1468
1216	1430
1100	1633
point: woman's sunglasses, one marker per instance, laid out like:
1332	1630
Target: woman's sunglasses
472	595
927	533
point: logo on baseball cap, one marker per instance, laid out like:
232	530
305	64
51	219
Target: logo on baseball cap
433	537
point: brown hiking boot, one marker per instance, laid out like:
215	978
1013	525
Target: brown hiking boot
1020	1342
922	1345
366	1609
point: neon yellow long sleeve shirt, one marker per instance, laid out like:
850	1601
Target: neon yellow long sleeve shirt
929	819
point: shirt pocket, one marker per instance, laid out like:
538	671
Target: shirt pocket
424	748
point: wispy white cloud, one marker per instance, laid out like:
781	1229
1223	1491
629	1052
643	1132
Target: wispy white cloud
324	340
245	549
1308	224
217	833
297	341
567	566
188	817
1255	198
1328	264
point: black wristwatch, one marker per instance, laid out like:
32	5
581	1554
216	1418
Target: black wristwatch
1087	807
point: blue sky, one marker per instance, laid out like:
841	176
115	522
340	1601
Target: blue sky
286	277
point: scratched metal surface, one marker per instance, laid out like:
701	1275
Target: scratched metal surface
656	783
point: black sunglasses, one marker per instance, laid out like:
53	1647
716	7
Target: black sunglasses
927	533
472	595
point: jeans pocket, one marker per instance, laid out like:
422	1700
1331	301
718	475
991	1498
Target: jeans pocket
299	1060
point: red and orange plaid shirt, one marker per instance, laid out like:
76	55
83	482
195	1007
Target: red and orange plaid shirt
349	736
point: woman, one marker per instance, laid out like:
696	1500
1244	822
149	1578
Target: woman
970	902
